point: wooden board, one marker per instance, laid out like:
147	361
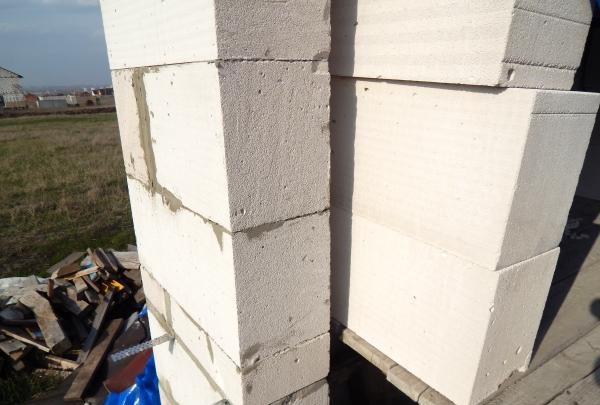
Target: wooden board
80	285
72	258
60	363
566	378
71	303
10	346
101	313
406	382
81	273
127	260
555	376
108	260
17	334
55	337
585	392
87	371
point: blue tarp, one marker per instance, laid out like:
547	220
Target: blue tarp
143	392
145	389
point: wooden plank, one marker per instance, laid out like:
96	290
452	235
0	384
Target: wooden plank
127	260
60	363
18	355
66	271
81	273
552	378
11	345
93	257
101	313
72	303
585	392
108	261
72	258
87	371
406	382
92	285
17	334
55	337
92	297
80	285
432	397
50	288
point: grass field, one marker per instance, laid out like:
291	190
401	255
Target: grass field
62	189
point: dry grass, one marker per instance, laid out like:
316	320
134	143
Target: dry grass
62	188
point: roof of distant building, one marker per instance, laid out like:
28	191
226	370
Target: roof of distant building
8	73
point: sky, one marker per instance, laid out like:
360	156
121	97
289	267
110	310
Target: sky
54	42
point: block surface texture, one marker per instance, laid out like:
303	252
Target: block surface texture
206	30
484	174
507	43
460	328
224	118
265	381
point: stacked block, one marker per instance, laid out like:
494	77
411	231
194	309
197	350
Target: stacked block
223	113
456	151
506	43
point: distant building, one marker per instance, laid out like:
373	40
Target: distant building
52	102
11	92
31	100
103	91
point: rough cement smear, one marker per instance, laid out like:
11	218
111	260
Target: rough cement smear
168	197
257	231
154	187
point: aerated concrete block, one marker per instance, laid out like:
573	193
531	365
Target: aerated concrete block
251	137
458	327
223	112
255	292
485	174
264	381
157	32
507	43
171	358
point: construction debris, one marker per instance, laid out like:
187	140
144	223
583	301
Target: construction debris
71	319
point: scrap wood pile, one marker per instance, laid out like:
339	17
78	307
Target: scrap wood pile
86	309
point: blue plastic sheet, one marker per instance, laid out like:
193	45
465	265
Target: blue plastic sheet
143	392
145	389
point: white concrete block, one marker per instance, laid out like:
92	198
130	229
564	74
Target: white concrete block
508	43
243	168
314	394
261	382
157	32
486	174
171	358
282	279
276	123
255	293
192	259
457	327
154	293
